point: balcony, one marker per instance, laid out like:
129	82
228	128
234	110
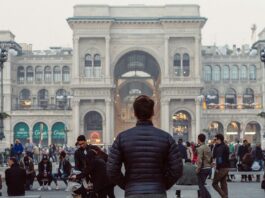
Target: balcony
43	105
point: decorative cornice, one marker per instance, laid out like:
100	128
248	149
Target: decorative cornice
108	19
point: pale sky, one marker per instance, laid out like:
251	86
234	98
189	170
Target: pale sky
43	22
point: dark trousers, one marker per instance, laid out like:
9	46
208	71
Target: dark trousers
178	193
106	192
40	178
29	180
202	176
64	177
220	177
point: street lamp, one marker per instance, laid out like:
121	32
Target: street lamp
5	46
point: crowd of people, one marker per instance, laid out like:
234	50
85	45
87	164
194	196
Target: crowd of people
144	161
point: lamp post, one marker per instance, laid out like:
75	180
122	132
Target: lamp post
3	59
4	48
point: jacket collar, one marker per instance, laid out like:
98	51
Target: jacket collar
144	123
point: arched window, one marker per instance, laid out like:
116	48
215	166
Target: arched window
88	60
186	64
24	98
234	72
182	126
248	97
211	96
216	73
97	65
88	66
243	73
43	98
252	72
20	75
61	98
97	60
66	74
57	74
48	74
230	96
29	74
177	64
93	126
24	94
38	74
207	73
226	72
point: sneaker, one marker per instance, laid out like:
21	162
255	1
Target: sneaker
49	188
57	187
40	188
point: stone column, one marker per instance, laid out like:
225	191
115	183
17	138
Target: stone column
76	63
166	58
107	57
31	135
49	137
165	115
108	122
198	102
76	118
197	56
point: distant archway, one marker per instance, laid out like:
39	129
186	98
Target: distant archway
181	125
93	127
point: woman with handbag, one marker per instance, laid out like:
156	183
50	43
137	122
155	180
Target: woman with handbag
258	160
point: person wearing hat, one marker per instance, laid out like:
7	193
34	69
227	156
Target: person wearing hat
64	170
45	172
15	186
27	164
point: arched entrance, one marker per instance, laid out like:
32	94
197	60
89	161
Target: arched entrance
215	128
40	134
135	73
59	136
21	132
233	131
252	132
181	125
93	127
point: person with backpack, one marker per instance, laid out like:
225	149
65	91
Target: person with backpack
203	165
221	156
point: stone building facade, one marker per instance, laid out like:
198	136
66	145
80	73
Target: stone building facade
120	52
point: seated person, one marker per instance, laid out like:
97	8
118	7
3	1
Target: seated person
45	172
64	169
27	164
189	176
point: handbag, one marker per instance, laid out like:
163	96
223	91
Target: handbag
255	166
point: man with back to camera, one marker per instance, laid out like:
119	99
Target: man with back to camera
151	157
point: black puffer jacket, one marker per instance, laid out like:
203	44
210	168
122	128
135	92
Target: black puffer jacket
151	158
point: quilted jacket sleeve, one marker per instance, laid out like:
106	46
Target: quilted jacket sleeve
114	164
174	164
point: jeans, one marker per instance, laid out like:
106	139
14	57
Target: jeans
147	196
220	176
64	177
202	176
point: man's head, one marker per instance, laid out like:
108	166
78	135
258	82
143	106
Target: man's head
17	141
201	138
81	140
180	141
245	142
45	158
28	140
143	108
11	161
219	138
62	155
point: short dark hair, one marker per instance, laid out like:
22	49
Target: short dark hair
188	144
220	137
81	138
143	107
202	137
13	159
63	154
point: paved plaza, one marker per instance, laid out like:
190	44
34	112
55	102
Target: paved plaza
236	190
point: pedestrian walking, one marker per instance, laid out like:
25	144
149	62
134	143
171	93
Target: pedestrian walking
29	147
182	149
189	151
15	178
203	165
150	156
18	149
221	156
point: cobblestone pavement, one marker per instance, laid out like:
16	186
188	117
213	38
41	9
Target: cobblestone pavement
236	190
